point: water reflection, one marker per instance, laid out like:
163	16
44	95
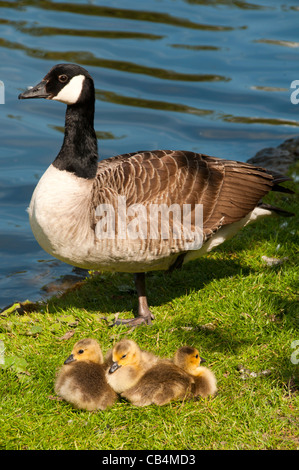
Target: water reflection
119	13
88	59
274	42
33	30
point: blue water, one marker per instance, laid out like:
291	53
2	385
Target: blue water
212	77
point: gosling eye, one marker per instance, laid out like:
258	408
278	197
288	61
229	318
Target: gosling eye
123	356
196	356
63	78
81	351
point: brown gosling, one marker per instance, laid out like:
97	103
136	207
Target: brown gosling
81	380
126	364
204	381
161	384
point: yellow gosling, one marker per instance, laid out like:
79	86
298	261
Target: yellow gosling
188	359
126	364
81	380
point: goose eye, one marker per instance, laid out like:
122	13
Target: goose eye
63	78
124	355
196	356
81	351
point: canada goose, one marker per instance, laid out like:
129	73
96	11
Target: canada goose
81	380
127	364
83	212
204	381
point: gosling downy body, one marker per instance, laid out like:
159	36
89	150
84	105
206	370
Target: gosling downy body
204	380
160	385
81	381
126	364
126	213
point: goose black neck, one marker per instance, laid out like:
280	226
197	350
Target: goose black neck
79	151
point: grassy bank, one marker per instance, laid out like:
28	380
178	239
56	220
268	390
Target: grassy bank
238	310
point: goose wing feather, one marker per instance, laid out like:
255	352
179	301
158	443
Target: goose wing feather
228	190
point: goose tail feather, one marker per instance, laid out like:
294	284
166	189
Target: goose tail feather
277	180
276	210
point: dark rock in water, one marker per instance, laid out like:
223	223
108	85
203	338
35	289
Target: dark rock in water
278	159
292	146
275	159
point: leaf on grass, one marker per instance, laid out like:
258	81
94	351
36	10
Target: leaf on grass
55	328
69	319
111	317
18	365
11	309
208	327
54	397
34	330
21	308
67	336
274	261
6	326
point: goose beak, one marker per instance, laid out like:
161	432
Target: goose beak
202	360
38	91
114	367
69	359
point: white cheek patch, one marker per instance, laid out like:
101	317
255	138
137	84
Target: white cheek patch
70	93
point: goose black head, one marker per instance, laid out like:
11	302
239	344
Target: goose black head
68	83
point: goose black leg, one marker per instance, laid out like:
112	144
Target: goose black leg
144	313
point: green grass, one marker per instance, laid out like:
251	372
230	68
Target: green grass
230	304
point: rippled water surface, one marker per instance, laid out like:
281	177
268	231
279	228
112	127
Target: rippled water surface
212	77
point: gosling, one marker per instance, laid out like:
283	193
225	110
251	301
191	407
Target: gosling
81	380
126	365
204	380
160	385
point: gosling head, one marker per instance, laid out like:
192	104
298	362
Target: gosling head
68	83
86	350
188	358
125	353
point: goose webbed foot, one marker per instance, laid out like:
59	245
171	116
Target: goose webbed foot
144	316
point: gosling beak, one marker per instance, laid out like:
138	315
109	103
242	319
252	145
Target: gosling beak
70	359
38	91
114	367
202	360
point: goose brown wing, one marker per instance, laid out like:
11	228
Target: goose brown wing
228	190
